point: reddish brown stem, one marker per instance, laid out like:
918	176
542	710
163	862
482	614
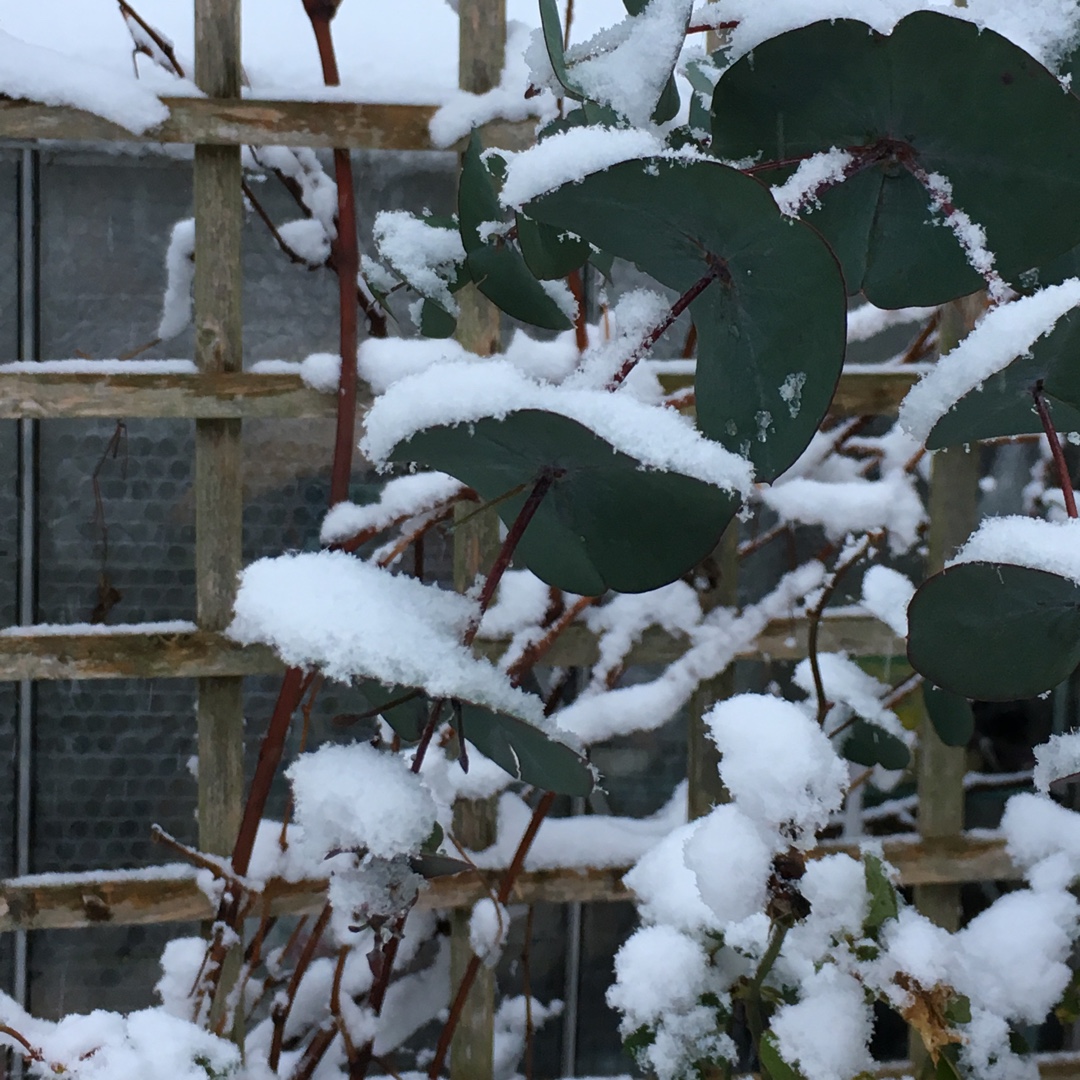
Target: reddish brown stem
704	28
716	270
576	281
506	552
281	1015
162	43
1055	448
506	887
31	1051
534	653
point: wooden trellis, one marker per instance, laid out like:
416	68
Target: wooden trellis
219	396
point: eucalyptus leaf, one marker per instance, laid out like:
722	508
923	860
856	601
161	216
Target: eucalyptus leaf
495	264
995	631
606	522
868	744
939	93
771	329
950	714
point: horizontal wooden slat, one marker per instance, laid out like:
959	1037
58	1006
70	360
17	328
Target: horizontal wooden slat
242	395
87	900
55	395
219	122
200	654
130	655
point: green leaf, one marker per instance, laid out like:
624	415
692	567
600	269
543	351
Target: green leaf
525	752
958	1011
549	252
430	864
668	104
868	744
995	631
883	901
907	96
952	715
435	838
1003	403
404	708
553	39
606	523
498	268
771	330
436	321
773	1064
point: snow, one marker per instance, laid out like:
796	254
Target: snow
1005	332
384	361
659	971
867	321
489	925
1052	546
355	796
99	367
321	371
777	764
301	166
351	619
731	862
170	626
826	1032
307	238
886	594
627	66
1043	839
890	503
1056	759
846	683
400	499
804	187
456	393
38	73
424	255
180	274
570	156
463	112
714	645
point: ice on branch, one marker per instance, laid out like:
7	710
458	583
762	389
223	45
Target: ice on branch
350	619
462	393
1006	332
180	273
1023	541
804	187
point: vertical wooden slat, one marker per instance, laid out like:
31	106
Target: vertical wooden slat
218	496
704	787
481	55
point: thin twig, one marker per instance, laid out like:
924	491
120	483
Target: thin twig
717	271
1055	448
32	1051
159	40
280	1015
506	887
532	654
335	1003
282	243
218	867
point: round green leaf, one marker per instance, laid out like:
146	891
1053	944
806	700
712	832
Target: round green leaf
606	523
952	715
1003	404
995	631
436	321
525	752
498	268
548	252
771	328
956	100
868	744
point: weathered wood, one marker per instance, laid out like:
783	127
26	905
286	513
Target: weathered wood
197	654
704	786
228	395
1059	1066
130	655
234	395
170	893
225	122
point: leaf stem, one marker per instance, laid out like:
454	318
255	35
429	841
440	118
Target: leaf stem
716	270
1055	448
